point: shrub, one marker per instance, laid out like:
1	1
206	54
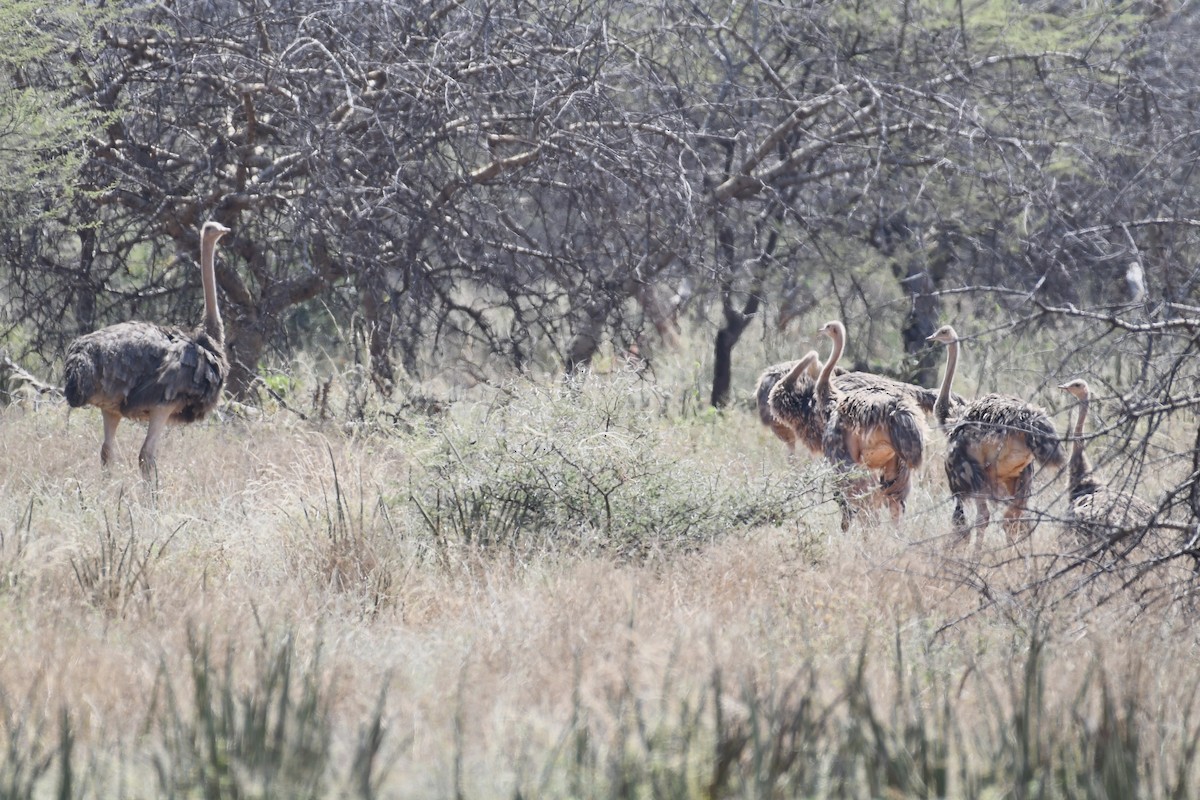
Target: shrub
591	465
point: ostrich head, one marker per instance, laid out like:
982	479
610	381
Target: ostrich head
212	231
834	329
945	334
1077	387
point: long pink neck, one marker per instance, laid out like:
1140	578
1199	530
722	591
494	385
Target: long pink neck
941	408
208	277
1077	449
1080	469
824	388
801	367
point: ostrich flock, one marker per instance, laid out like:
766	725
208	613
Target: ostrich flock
866	424
862	423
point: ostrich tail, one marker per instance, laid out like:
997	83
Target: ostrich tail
908	436
81	379
1044	443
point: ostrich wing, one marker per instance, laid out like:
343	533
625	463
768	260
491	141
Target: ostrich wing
190	371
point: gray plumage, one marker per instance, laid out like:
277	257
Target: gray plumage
1099	514
924	398
133	367
874	426
147	372
993	444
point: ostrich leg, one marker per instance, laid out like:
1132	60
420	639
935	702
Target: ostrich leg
111	421
147	459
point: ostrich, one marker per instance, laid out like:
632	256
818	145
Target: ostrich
784	395
786	403
870	426
992	445
143	371
1098	513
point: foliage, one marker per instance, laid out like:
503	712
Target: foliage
527	186
32	759
44	121
812	736
590	464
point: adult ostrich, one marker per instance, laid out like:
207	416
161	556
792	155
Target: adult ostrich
993	443
784	396
151	373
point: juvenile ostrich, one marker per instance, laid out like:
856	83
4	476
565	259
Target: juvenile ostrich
992	446
150	373
1099	514
784	395
870	426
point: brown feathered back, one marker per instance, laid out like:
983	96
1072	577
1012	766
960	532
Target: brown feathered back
923	397
794	406
1009	416
860	413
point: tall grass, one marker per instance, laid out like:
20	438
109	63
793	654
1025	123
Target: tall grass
812	735
583	590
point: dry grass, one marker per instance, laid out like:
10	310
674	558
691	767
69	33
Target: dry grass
559	660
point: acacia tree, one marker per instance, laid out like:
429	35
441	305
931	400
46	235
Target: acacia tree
513	180
455	172
947	150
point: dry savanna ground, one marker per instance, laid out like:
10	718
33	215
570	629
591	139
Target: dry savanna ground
583	591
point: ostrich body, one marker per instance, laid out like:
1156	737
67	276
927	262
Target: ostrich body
146	372
787	403
1098	514
872	426
993	444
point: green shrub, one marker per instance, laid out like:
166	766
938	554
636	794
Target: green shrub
592	465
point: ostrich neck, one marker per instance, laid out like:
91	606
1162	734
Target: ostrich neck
942	407
800	368
1084	402
1080	467
824	387
208	277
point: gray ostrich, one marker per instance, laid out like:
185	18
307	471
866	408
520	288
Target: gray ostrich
783	400
146	372
787	404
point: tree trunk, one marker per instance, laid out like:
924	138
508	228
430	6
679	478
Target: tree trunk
586	340
921	322
736	321
245	344
85	306
378	316
1194	497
